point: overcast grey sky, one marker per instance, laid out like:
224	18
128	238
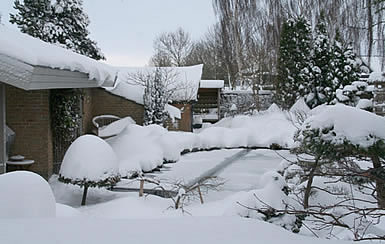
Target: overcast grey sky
125	29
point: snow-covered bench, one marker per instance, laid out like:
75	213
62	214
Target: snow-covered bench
110	125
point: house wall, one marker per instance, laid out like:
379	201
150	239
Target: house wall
27	113
185	123
97	101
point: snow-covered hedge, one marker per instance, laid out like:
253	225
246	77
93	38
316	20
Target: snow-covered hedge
144	148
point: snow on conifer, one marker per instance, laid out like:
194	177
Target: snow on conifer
340	123
63	22
321	84
294	63
155	99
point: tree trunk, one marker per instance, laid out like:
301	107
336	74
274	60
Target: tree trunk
141	188
370	29
380	185
84	195
177	202
309	185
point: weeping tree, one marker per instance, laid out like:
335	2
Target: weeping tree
234	16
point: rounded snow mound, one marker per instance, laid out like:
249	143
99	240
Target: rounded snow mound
26	195
89	158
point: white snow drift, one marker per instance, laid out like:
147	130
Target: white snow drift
25	195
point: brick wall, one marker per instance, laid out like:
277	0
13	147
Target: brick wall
27	113
97	101
184	124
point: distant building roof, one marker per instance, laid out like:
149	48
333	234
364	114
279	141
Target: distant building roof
212	84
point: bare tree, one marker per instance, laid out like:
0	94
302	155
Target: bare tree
173	46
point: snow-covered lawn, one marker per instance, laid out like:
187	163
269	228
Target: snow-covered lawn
171	231
126	217
122	217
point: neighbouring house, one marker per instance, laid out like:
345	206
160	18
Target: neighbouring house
126	97
207	108
30	70
378	80
244	100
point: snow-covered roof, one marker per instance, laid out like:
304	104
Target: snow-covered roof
212	84
185	82
376	77
29	63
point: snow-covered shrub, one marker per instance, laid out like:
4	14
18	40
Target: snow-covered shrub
137	149
267	203
25	195
89	162
359	94
335	132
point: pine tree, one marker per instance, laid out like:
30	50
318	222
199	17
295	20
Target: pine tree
155	99
322	72
346	69
294	63
73	24
33	18
63	22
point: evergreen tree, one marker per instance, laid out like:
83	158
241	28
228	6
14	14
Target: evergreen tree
346	69
321	84
294	63
155	99
33	18
72	25
63	22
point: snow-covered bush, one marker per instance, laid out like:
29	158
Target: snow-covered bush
267	203
25	195
335	132
137	149
89	162
359	94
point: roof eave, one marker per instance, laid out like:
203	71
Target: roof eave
29	77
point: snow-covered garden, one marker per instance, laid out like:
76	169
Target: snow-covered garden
309	169
258	193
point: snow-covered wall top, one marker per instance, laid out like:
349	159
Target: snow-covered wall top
36	52
212	84
185	82
376	76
